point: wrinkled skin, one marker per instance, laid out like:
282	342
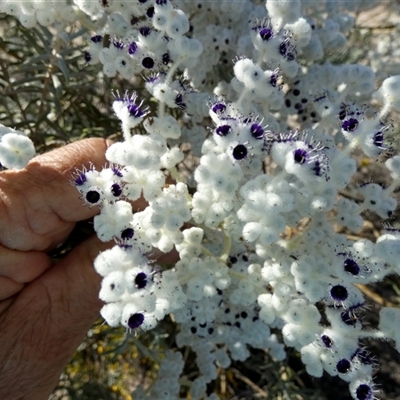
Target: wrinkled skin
45	309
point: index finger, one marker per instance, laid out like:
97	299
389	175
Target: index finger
38	205
54	170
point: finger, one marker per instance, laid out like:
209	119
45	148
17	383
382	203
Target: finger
4	304
18	268
38	205
22	267
73	285
9	288
68	291
53	171
47	321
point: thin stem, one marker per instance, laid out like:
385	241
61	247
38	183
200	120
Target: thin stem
376	334
206	252
227	247
240	276
172	70
241	99
168	79
175	174
385	110
393	186
81	17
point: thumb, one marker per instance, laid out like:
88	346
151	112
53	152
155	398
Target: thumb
62	303
48	320
73	285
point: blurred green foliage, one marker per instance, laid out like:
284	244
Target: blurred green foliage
47	90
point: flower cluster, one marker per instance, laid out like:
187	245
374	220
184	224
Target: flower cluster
16	149
254	222
239	274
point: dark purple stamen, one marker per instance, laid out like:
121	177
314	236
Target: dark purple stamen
127	233
116	171
257	131
327	341
145	31
339	293
239	152
350	125
150	12
179	101
351	267
364	392
152	78
378	139
166	58
96	38
148	62
342	112
343	366
218	108
92	196
223	130
317	168
283	48
87	56
134	110
349	317
80	180
118	45
116	190
364	356
141	280
290	56
300	156
273	80
132	48
266	34
135	320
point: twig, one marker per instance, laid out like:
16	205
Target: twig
375	297
248	382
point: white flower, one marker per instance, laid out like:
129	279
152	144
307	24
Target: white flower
113	220
15	149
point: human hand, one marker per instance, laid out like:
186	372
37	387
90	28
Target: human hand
46	309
